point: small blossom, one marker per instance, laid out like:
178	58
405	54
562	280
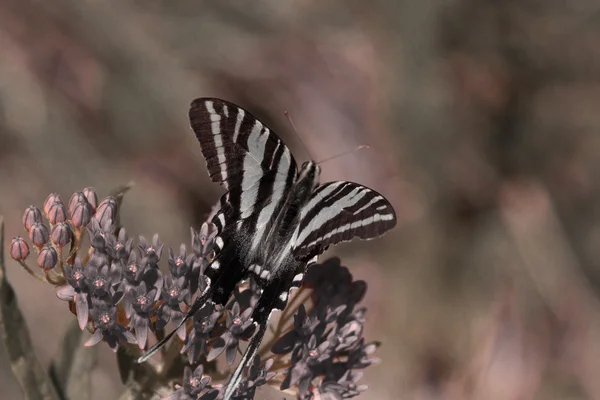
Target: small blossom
50	200
19	249
81	214
31	216
152	252
57	213
138	305
99	280
119	248
47	258
359	357
104	316
38	233
257	376
344	388
238	326
202	250
173	294
75	276
306	365
193	385
100	234
91	197
180	265
196	344
107	210
61	234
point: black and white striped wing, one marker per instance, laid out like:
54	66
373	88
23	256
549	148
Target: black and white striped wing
340	211
243	155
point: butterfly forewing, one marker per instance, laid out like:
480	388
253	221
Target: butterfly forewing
242	154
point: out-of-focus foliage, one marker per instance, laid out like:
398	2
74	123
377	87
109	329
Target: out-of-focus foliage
482	122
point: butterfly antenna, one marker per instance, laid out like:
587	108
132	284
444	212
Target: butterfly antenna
289	118
362	146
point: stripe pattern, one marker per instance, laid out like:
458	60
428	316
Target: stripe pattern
275	219
242	154
340	211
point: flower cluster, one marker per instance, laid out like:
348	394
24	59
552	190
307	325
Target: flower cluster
117	288
118	292
325	344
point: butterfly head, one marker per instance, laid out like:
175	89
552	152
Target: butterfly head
309	175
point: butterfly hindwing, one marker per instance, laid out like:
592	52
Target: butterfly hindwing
340	211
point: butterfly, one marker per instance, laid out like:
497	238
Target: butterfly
274	220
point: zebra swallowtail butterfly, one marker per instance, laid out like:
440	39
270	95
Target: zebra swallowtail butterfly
274	219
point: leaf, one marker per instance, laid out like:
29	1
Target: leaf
33	379
71	370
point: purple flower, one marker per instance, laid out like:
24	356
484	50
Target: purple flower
100	234
119	248
179	265
152	252
107	328
204	322
238	326
257	376
138	305
344	388
202	249
173	295
193	385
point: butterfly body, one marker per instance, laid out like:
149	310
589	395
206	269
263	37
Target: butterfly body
275	219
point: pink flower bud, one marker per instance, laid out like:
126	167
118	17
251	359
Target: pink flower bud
107	210
61	234
31	215
47	258
81	214
57	213
75	199
92	197
19	249
51	199
38	234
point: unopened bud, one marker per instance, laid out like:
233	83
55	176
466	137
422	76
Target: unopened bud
107	210
31	215
61	234
81	214
92	197
57	213
75	199
19	249
47	258
51	199
38	234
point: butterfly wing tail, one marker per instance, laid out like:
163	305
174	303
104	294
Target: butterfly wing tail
154	349
247	358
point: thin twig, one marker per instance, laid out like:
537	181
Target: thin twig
37	276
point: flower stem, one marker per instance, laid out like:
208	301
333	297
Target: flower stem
37	276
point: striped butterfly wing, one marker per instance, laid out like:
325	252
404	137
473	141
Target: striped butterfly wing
338	212
244	156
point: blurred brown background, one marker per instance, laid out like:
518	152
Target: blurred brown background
483	122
